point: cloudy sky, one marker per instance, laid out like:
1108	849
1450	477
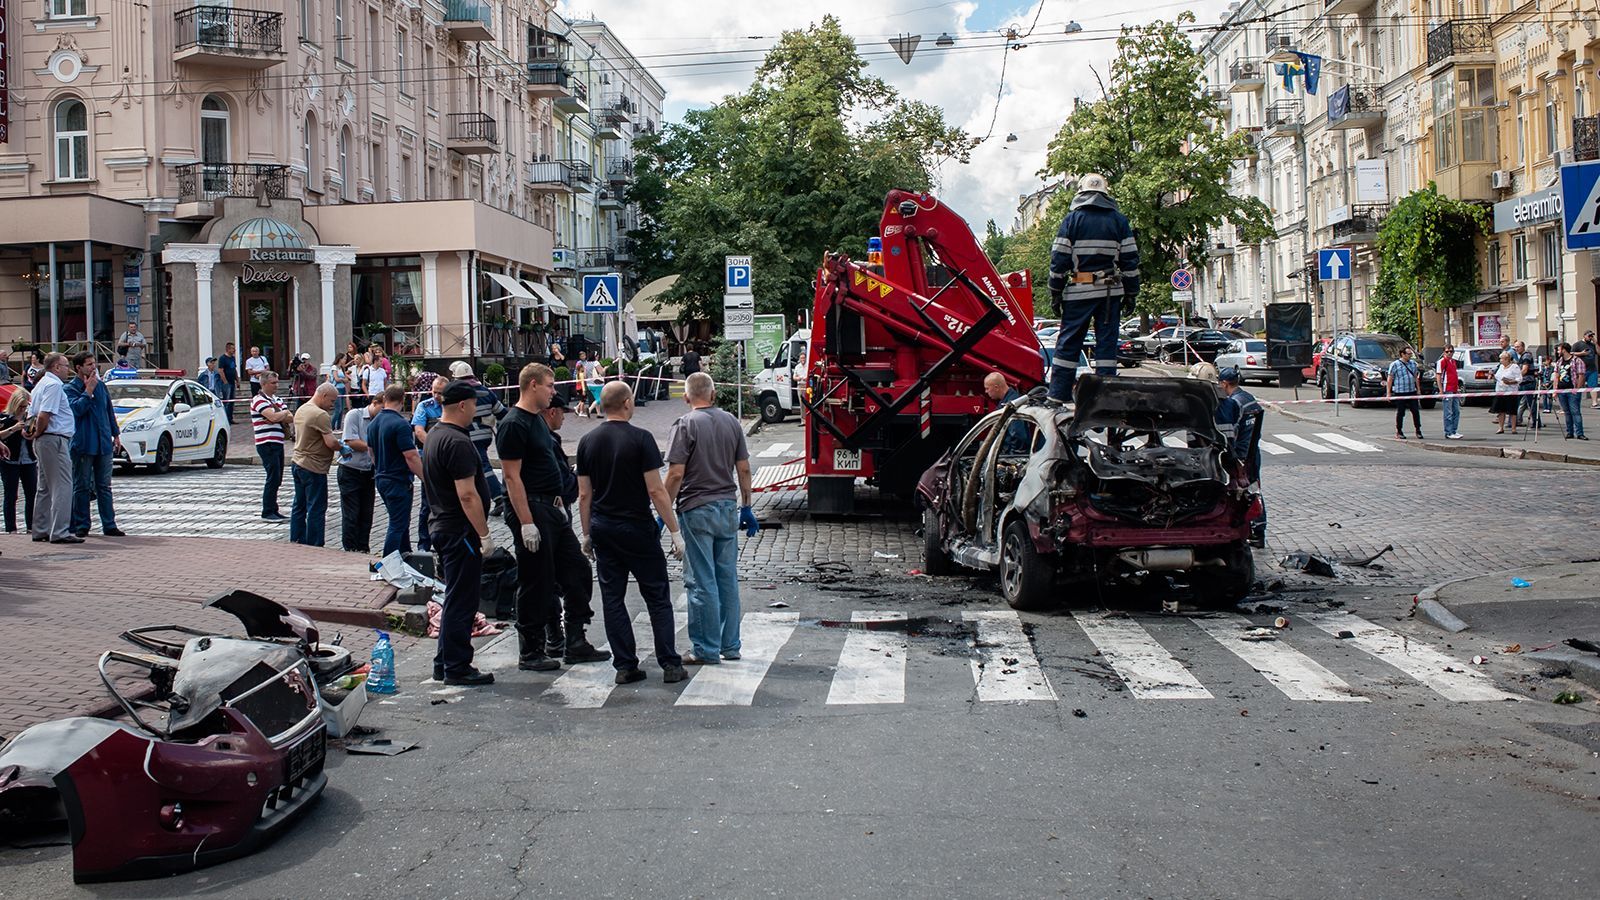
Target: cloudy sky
700	58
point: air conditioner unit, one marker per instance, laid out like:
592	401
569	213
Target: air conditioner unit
1500	180
1279	41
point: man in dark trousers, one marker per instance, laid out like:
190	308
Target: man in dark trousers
95	442
619	479
394	461
458	502
1094	272
1244	412
574	575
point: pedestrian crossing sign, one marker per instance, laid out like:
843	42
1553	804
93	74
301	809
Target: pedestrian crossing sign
602	293
1580	204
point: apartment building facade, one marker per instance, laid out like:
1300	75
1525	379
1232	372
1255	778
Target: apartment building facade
282	173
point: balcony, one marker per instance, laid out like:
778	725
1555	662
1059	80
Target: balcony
1586	138
1347	7
471	134
609	198
469	20
1356	106
577	101
226	38
549	79
1246	75
552	177
1280	39
594	259
1458	37
608	125
1361	227
624	250
201	183
619	106
582	175
1252	147
619	170
1284	119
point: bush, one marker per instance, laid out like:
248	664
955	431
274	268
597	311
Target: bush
495	374
721	368
563	373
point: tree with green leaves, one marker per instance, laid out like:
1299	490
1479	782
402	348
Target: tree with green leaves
791	168
1427	250
1160	142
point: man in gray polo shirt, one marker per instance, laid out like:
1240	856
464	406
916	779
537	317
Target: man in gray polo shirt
356	487
707	449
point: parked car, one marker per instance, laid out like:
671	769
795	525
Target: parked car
1476	367
1358	362
163	422
1313	372
1135	479
1249	356
1126	357
1179	344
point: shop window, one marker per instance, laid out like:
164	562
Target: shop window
71	309
389	290
72	140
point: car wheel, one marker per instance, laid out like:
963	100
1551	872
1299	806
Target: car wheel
219	455
771	409
934	560
1026	576
1232	584
1326	384
163	455
1355	391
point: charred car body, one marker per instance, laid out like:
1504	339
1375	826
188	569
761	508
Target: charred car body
222	752
1135	479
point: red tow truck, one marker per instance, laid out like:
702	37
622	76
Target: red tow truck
900	346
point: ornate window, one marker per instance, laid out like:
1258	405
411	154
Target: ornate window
71	122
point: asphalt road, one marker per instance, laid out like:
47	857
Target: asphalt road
950	758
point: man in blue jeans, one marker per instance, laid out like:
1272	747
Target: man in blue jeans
94	442
314	444
394	461
707	448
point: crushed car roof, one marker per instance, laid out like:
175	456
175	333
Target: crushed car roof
1145	403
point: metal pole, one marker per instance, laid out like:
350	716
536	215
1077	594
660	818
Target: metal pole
55	299
738	376
88	298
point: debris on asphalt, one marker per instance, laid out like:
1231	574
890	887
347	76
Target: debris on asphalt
1259	634
1335	525
1521	583
1345	635
380	747
1479	660
1310	563
1581	644
1567	698
1280	622
879	554
1514	648
1169	606
1366	561
778	604
1079	714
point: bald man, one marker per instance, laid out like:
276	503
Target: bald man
314	444
1000	392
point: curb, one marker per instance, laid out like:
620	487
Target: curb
1468	449
1428	608
1584	667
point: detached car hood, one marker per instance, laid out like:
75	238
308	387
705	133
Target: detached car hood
1145	403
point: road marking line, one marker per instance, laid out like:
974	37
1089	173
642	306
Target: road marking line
1313	446
1150	672
1272	449
1461	683
734	682
1006	668
1297	675
589	685
872	665
1349	443
776	450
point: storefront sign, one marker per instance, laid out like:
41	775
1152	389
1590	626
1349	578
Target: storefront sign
132	280
251	275
1529	209
5	86
1489	326
268	255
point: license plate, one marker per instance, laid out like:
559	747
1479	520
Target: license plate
847	460
305	756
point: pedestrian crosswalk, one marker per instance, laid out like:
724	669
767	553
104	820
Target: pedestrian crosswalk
885	659
1325	443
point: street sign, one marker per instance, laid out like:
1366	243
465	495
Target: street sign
1580	201
1333	265
602	293
1182	280
1183	298
738	301
738	324
738	272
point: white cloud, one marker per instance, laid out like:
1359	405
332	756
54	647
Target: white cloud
1040	83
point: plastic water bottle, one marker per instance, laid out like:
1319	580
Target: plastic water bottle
380	679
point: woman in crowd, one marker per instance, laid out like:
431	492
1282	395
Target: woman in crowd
17	466
1506	380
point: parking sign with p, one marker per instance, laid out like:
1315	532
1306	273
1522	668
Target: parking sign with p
738	270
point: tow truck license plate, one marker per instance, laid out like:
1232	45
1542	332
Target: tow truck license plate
847	460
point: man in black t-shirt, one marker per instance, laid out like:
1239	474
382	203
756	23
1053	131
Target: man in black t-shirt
619	480
537	515
458	500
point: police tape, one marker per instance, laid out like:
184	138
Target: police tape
1460	395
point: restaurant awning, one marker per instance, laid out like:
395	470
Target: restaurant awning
568	294
645	300
515	292
549	300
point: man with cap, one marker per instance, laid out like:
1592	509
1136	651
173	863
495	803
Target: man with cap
574	575
1244	412
1094	273
211	378
487	412
121	371
458	499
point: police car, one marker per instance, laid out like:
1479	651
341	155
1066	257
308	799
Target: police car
164	421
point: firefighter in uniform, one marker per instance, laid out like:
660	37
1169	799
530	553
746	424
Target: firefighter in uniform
1094	272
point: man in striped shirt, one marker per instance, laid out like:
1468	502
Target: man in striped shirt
269	415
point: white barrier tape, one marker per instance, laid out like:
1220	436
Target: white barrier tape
1460	395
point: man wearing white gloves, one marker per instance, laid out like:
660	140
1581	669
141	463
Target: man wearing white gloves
458	500
619	479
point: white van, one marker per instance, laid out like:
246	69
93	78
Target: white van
777	386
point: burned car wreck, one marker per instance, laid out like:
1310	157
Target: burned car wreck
220	752
1133	481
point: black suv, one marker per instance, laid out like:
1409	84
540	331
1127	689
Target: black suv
1358	362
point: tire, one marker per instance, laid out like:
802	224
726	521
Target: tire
1225	589
934	560
163	455
1355	391
1027	577
219	455
771	409
1325	384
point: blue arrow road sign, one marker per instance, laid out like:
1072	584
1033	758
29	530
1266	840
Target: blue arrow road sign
1580	204
602	293
1333	265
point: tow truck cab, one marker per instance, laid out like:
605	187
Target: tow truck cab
777	388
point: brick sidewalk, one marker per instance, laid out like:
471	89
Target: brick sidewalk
61	606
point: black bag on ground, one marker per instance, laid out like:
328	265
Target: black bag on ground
498	586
